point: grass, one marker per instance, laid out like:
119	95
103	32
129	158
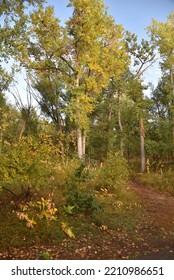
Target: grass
120	228
98	210
162	182
14	233
121	211
116	212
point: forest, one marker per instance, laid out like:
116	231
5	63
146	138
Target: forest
87	162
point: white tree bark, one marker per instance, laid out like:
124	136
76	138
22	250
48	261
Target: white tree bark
121	129
142	136
79	143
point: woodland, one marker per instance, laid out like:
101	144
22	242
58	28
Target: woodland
87	162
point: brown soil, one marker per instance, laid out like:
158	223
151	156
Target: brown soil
160	211
153	237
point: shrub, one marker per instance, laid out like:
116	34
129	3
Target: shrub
82	173
45	209
114	173
70	173
82	201
63	173
25	164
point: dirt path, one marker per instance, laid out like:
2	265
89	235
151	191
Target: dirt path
158	205
159	209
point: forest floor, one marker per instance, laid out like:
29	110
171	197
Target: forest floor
152	237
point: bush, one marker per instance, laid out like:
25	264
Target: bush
34	211
114	173
25	164
82	201
82	173
63	173
70	173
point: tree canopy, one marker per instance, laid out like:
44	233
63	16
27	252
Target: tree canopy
87	75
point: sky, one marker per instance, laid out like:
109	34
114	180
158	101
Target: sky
134	15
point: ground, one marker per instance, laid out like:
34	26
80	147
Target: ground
153	236
160	211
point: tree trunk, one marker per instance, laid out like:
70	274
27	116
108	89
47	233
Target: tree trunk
81	137
121	128
108	128
172	105
23	127
79	143
0	140
121	133
142	136
83	144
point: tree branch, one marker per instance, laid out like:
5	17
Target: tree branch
9	191
69	65
139	72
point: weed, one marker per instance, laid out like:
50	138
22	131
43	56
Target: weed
45	256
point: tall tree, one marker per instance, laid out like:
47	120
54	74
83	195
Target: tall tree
161	124
85	55
143	57
98	54
162	34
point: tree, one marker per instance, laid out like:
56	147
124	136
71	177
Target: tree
102	125
127	90
160	127
162	34
28	121
98	55
85	55
50	94
13	21
143	57
114	122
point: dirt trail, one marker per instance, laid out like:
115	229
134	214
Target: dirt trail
156	203
159	209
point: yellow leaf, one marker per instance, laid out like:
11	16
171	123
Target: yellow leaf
103	227
67	230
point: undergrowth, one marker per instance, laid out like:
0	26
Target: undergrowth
84	200
162	182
